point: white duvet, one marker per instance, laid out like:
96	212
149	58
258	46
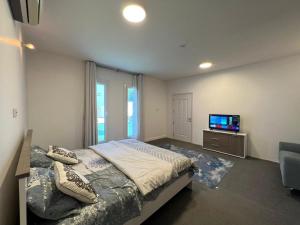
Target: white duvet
178	161
148	172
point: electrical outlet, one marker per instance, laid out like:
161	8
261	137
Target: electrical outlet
15	113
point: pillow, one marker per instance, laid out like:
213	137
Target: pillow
45	200
38	158
71	182
63	155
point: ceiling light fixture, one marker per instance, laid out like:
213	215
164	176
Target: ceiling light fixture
134	13
29	46
205	65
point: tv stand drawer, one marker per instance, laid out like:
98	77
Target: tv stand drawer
221	139
216	147
228	143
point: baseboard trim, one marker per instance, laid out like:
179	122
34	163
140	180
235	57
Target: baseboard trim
155	138
267	160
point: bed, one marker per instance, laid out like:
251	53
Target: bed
141	206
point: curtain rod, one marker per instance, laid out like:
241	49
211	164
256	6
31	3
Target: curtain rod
116	69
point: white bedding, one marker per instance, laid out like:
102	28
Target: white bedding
148	172
178	161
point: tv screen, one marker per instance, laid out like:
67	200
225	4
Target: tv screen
224	122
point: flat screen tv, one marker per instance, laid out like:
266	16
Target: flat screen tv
224	122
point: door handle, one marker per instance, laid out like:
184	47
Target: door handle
189	120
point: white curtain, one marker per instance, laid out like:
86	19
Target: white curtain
138	83
90	108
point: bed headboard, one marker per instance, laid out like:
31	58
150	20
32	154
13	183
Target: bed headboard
23	168
22	172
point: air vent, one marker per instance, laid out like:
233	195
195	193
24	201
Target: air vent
26	11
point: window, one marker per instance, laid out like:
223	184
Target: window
132	113
100	100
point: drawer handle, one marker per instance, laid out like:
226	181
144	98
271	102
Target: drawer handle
214	138
215	145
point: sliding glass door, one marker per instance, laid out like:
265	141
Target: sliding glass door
132	112
101	111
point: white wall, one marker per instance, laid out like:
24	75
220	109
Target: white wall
266	95
55	99
154	108
12	95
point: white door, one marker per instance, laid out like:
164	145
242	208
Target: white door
182	117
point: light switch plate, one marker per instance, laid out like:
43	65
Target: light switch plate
15	113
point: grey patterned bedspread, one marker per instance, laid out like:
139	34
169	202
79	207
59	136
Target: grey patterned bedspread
118	195
119	198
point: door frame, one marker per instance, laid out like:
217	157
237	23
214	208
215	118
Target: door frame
184	93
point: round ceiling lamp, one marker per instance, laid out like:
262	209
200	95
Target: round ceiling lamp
134	13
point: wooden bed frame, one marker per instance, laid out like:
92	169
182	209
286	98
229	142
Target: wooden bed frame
23	171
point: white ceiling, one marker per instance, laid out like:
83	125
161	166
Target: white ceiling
230	33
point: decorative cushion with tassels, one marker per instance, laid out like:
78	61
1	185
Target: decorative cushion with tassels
62	155
72	183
